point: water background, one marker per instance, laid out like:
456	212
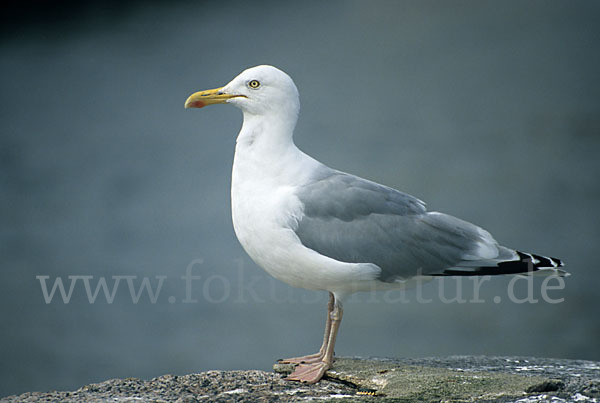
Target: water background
486	110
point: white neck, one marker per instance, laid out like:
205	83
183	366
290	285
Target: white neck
265	152
267	137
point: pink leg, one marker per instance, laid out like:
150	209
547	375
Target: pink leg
306	359
312	372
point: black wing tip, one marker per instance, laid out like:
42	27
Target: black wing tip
527	263
540	261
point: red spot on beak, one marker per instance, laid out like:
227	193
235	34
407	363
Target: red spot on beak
196	104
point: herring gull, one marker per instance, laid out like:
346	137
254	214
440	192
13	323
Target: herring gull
321	229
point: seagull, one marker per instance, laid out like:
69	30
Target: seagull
318	228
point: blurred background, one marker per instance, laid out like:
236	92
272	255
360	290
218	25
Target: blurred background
486	110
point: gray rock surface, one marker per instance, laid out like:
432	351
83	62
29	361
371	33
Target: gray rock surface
450	379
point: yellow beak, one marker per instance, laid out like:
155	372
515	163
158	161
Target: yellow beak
209	97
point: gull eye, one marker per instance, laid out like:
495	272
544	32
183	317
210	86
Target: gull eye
254	84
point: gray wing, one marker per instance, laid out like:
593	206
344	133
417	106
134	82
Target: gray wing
354	220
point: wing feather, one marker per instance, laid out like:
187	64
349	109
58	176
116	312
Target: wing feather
358	221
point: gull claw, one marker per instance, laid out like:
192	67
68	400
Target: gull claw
309	373
306	359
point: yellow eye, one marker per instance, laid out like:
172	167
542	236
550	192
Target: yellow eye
254	84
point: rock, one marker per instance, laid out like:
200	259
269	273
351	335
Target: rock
210	386
464	379
451	379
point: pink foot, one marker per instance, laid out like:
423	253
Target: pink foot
306	359
309	373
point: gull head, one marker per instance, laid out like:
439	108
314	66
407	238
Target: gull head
260	90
